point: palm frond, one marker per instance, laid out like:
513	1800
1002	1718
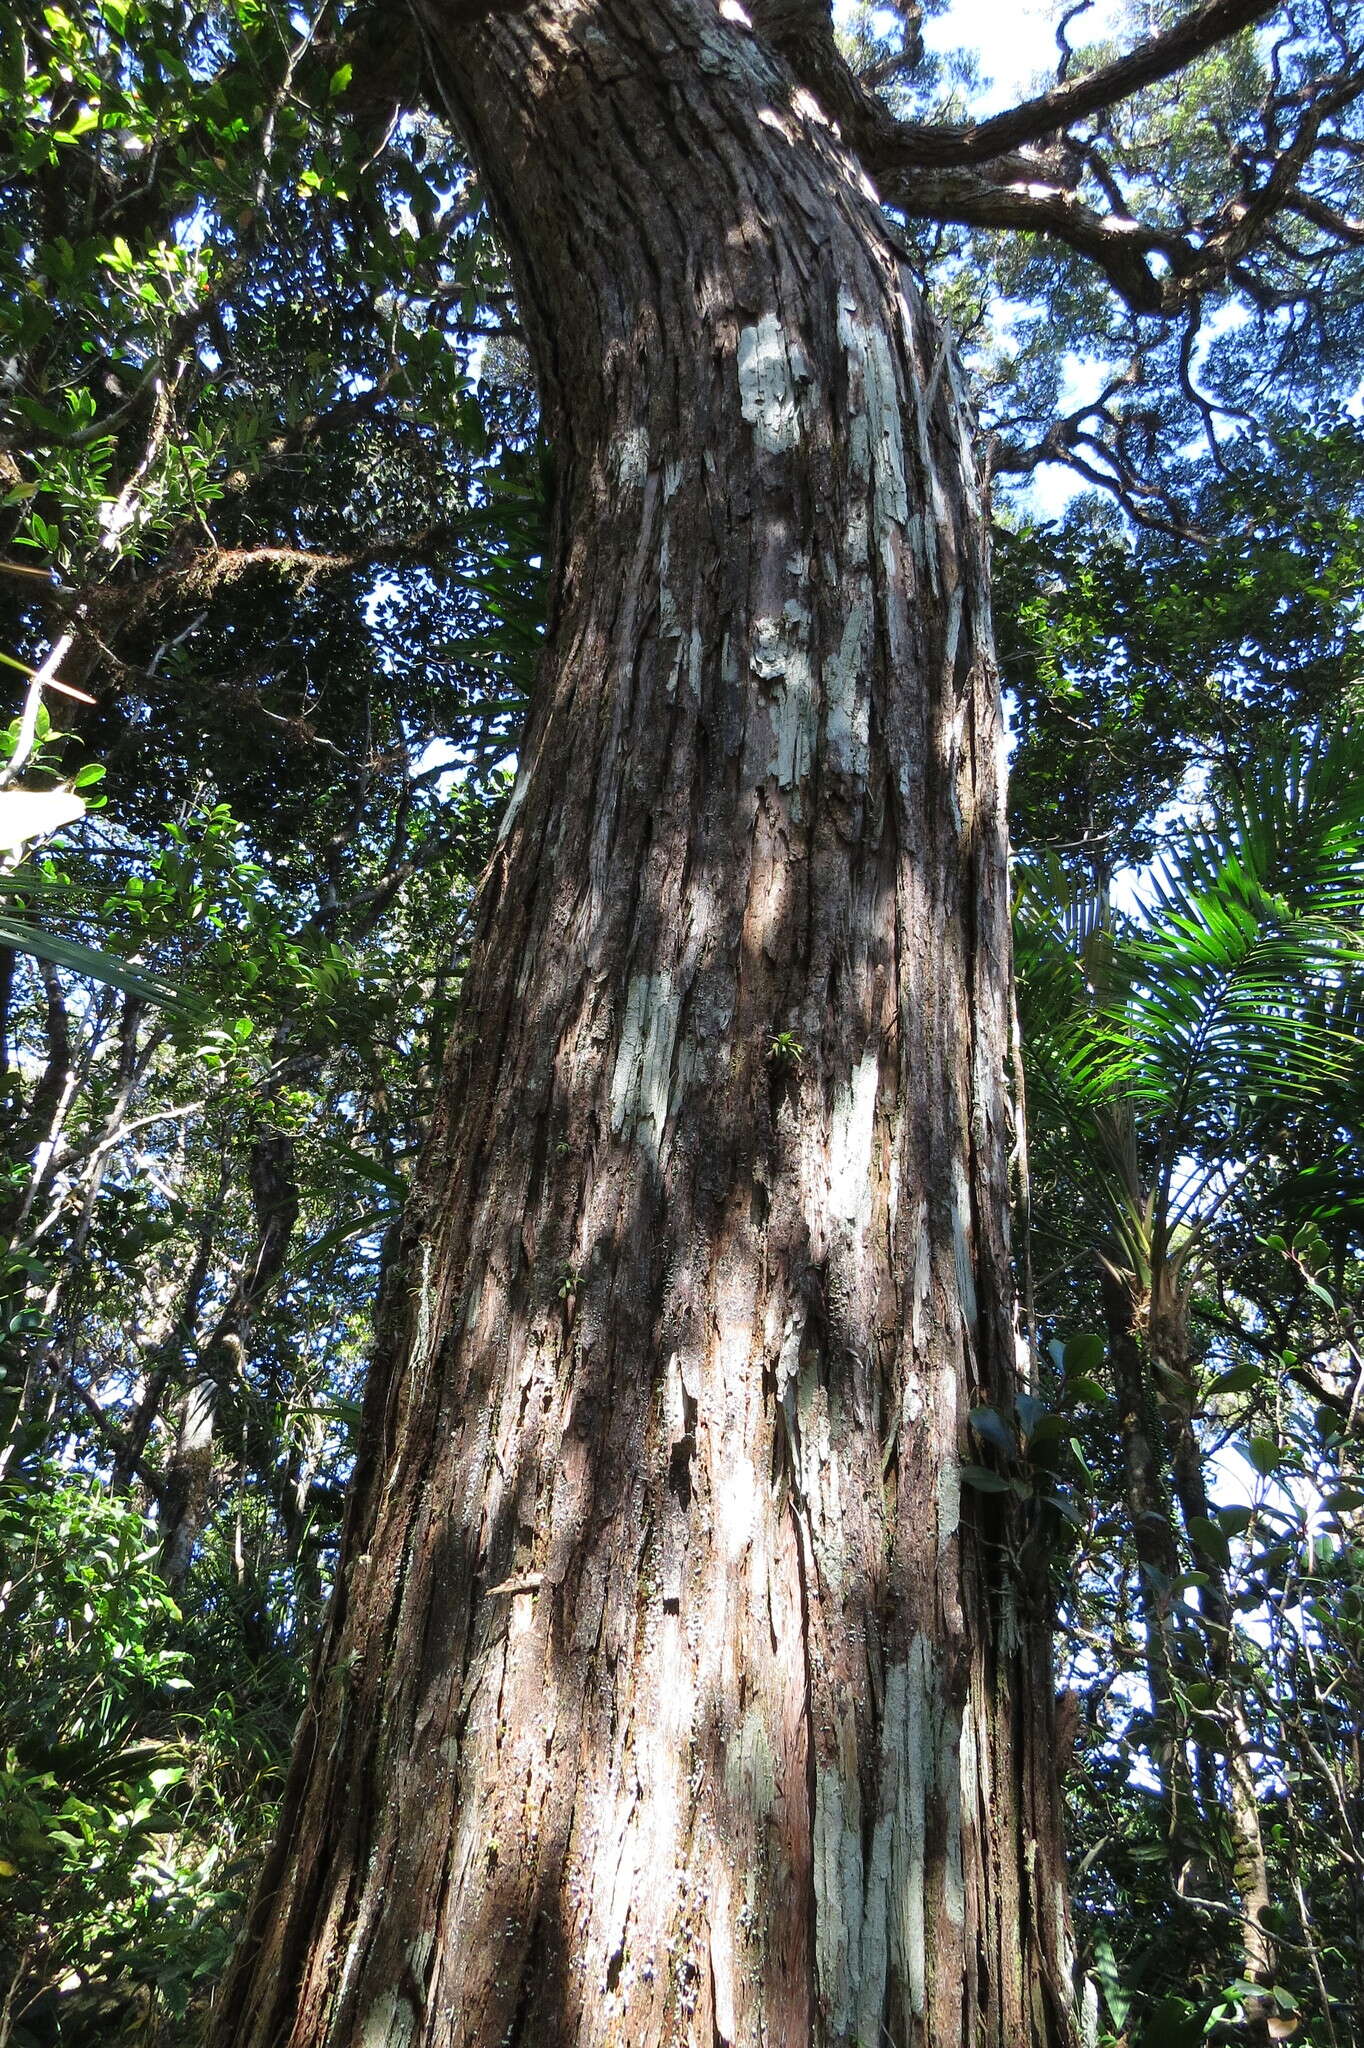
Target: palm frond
1232	991
94	965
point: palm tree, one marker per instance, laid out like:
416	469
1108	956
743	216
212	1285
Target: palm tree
1164	1048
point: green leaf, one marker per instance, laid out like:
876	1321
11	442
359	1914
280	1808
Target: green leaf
94	965
1240	1380
368	1225
982	1480
363	1165
991	1425
1030	1412
1173	2023
1210	1539
1066	1509
1083	1355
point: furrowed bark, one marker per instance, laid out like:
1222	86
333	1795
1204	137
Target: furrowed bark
676	1690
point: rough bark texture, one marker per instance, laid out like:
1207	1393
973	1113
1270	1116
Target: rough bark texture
676	1691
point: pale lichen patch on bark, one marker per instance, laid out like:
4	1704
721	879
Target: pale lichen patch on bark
738	1508
954	1738
921	1298
821	1488
693	664
770	368
968	1789
908	1859
422	1342
750	1767
949	1502
894	1916
630	457
788	1380
1065	1947
670	626
738	56
390	2023
851	1128
780	657
847	704
722	1960
643	1070
515	800
961	1244
838	1889
956	605
876	439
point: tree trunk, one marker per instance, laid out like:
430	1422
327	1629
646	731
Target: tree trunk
1241	1805
675	1690
1146	1331
188	1488
1155	1546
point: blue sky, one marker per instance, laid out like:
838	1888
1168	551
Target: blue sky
1015	44
1014	39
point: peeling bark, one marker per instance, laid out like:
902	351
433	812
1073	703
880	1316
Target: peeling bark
675	1692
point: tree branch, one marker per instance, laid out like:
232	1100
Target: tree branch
1118	244
904	143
